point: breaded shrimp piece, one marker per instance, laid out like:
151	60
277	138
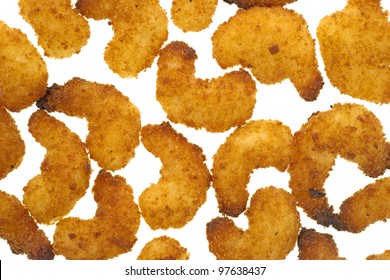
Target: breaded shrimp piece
107	235
258	144
367	206
163	248
216	105
61	30
65	170
12	147
355	46
184	181
384	256
23	73
194	15
348	130
246	4
274	225
21	231
313	245
274	43
114	123
140	29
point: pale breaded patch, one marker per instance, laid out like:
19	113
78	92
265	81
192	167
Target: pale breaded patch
272	232
65	170
348	130
61	30
216	105
113	121
274	43
12	147
23	73
313	245
185	179
355	46
246	4
258	144
163	248
140	29
110	233
21	231
194	15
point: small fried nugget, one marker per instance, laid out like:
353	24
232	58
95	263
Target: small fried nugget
107	235
355	46
384	256
367	206
194	15
313	245
61	30
12	147
246	4
65	170
114	123
140	29
258	144
216	105
21	231
163	248
348	130
184	181
274	43
23	73
274	225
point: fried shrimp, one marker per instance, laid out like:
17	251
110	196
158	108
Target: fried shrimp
113	121
194	15
355	46
140	29
21	231
384	256
110	233
273	229
348	130
274	43
258	144
367	206
61	30
12	146
185	179
65	170
313	245
246	4
23	73
216	105
163	248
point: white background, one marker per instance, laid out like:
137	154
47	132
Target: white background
280	101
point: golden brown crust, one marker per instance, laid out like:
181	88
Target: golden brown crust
246	4
194	15
140	29
348	130
21	231
65	170
273	52
313	245
258	144
384	256
163	248
355	46
23	73
274	225
61	31
12	146
216	105
113	121
367	206
110	233
184	181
